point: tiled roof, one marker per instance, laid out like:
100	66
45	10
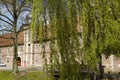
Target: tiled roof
9	42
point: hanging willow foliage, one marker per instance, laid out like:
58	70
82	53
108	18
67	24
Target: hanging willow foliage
61	17
100	29
56	21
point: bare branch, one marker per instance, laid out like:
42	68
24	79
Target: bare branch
8	30
9	10
6	5
24	10
4	25
6	21
22	29
21	6
6	17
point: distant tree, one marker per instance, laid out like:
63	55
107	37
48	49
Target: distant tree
10	16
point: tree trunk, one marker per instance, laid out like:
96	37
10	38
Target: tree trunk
15	55
100	67
15	46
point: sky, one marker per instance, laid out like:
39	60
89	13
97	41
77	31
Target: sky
21	19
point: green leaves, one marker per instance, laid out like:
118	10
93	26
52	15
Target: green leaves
100	22
64	42
100	28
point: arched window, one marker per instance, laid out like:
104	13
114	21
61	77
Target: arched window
19	61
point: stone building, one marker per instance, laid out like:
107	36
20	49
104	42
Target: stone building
29	52
111	64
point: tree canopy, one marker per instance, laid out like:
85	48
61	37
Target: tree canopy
99	20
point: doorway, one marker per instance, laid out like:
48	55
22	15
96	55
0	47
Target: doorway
19	61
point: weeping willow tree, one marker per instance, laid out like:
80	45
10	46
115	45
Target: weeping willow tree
100	30
57	21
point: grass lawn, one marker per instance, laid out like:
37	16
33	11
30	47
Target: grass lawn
37	75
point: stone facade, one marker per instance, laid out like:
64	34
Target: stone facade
111	63
29	54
